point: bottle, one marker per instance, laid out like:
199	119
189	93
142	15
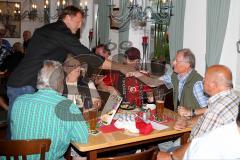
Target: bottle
144	98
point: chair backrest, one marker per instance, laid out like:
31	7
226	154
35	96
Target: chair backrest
150	154
23	148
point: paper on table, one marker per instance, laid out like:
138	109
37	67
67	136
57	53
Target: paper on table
158	126
127	124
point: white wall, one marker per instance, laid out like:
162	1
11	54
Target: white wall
88	23
195	31
135	34
195	36
114	38
229	55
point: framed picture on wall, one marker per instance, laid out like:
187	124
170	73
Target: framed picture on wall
10	27
114	24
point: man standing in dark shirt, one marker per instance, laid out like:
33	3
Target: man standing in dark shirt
53	42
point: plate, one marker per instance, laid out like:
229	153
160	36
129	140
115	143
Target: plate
127	107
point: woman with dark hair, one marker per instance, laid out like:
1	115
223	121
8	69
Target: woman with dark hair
130	88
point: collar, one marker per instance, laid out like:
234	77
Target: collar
219	95
184	77
64	26
48	91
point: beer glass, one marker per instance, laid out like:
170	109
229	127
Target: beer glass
91	116
159	96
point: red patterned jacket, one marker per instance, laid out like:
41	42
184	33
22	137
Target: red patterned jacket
130	87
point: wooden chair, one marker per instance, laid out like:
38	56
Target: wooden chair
23	148
150	154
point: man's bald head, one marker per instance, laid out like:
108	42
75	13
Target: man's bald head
217	78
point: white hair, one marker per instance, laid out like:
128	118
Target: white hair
51	76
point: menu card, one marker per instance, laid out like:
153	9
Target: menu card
110	109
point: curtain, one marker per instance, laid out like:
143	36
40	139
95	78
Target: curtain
176	27
103	21
124	30
217	18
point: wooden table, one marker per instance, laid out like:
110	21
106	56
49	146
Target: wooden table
116	140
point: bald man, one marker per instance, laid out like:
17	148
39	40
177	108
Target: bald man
222	106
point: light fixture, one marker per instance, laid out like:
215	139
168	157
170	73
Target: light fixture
140	15
84	8
61	4
32	14
12	12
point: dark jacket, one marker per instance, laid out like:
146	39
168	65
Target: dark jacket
12	61
83	90
187	96
50	42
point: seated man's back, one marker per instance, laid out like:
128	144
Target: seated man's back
48	115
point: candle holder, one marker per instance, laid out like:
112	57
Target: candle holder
145	52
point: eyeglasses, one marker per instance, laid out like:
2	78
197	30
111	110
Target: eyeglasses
180	61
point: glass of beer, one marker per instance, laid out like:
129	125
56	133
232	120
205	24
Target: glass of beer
159	96
159	108
92	120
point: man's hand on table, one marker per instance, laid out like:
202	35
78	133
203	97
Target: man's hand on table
181	123
183	111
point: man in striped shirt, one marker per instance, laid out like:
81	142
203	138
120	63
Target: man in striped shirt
222	107
46	114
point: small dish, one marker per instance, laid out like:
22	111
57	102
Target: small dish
127	106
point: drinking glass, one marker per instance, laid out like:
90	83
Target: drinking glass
93	116
159	99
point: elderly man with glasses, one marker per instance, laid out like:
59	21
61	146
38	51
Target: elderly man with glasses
188	95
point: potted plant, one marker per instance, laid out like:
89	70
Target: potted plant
161	50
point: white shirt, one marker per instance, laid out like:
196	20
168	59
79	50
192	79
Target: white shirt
221	143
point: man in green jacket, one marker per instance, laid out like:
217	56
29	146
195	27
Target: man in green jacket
188	95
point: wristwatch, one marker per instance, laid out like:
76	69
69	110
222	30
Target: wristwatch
193	112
